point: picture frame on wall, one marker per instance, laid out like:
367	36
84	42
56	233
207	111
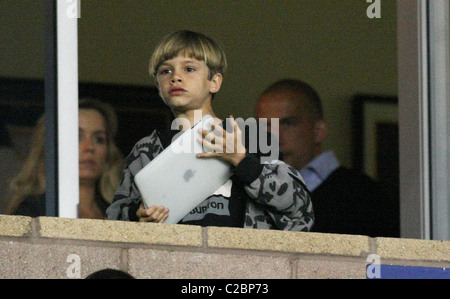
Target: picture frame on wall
376	138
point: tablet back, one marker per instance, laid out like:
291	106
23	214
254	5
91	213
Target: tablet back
177	179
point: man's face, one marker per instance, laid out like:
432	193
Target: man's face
297	135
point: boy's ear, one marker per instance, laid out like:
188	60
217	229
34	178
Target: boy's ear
216	82
320	131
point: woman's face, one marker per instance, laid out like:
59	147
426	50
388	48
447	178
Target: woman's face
93	145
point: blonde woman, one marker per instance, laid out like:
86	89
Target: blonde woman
100	164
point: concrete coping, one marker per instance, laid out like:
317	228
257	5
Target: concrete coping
15	226
120	231
223	238
295	242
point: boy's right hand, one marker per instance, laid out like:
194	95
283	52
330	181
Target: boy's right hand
152	214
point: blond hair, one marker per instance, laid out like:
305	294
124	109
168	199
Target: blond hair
189	44
31	179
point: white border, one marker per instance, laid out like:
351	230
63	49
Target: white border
67	74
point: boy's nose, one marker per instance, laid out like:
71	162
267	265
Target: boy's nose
175	79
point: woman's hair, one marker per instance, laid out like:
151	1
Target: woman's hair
31	178
189	44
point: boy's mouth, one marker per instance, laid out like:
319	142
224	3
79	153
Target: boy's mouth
176	90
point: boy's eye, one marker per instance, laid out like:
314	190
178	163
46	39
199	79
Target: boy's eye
190	69
164	71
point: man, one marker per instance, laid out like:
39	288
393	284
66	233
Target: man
344	201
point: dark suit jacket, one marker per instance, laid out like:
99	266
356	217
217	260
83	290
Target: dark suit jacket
348	202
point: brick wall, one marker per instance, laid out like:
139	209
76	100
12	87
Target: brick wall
58	248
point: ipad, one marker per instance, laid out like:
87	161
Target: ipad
177	179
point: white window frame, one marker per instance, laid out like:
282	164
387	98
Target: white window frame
439	25
423	118
62	189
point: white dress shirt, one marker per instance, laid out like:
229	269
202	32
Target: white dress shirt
318	170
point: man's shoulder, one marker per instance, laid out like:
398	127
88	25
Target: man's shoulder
346	172
345	177
347	186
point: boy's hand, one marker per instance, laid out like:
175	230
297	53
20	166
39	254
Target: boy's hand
152	214
222	144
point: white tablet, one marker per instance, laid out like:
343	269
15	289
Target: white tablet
177	179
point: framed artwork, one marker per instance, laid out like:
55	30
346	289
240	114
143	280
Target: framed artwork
139	109
376	144
375	137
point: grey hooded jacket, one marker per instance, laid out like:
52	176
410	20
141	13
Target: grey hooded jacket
277	197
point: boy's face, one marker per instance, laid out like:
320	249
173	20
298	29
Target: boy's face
184	85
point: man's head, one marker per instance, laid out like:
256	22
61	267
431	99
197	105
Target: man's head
302	127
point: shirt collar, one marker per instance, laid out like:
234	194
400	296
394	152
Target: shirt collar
324	164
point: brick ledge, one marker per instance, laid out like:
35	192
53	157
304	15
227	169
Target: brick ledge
228	238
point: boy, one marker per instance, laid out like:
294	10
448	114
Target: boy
188	68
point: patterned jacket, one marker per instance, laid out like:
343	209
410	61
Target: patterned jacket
276	196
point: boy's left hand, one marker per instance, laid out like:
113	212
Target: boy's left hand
222	144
